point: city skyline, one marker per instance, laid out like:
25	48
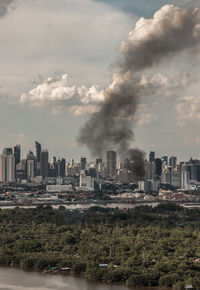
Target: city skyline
150	155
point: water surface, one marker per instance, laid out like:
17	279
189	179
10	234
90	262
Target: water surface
14	279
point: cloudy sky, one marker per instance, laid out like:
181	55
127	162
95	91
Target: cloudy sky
57	57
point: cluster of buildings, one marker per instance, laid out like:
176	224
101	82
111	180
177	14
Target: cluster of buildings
164	170
57	175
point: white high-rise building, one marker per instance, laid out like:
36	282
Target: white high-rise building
7	168
30	169
2	168
10	168
86	182
185	176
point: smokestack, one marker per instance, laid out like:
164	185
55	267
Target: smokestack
171	31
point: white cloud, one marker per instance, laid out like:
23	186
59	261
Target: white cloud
188	110
58	93
54	89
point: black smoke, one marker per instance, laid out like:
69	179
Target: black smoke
171	31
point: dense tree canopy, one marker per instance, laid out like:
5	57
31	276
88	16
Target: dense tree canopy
144	246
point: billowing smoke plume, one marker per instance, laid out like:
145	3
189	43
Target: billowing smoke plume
5	5
171	31
134	162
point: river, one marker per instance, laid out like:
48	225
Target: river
14	279
82	206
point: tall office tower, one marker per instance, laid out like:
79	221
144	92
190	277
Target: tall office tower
38	150
164	159
99	165
173	162
7	151
150	170
83	163
151	156
21	169
17	153
44	163
31	165
111	164
158	167
30	168
53	162
166	174
60	167
2	168
7	167
176	180
10	168
186	175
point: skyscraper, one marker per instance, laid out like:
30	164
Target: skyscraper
164	159
151	156
44	164
38	150
111	164
173	162
10	168
60	167
7	168
158	167
83	163
17	153
2	168
31	165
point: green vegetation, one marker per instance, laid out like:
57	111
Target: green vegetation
144	246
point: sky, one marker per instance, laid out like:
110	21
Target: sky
56	59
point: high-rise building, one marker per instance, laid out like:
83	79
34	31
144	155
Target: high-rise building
30	169
44	163
151	156
173	162
186	175
17	153
166	174
150	170
2	168
60	167
31	166
7	167
10	168
158	167
21	171
86	182
83	163
38	150
164	159
111	164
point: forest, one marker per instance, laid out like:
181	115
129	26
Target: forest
144	246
